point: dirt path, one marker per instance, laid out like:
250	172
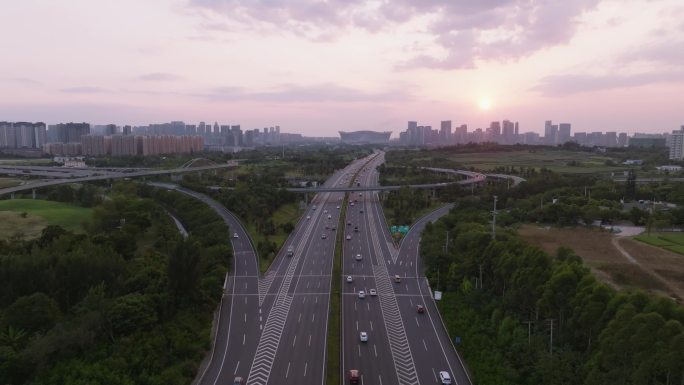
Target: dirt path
617	260
673	288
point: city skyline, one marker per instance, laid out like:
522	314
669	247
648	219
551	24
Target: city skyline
317	68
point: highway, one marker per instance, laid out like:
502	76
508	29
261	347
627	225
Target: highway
239	322
273	329
403	347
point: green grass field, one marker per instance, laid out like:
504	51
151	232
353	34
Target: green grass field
39	213
669	241
558	161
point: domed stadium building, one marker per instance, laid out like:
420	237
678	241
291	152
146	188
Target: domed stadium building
365	137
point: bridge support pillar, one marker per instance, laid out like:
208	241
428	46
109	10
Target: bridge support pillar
433	193
33	193
306	199
12	196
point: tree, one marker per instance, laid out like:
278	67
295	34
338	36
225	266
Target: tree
33	313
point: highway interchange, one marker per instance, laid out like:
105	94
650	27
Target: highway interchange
272	328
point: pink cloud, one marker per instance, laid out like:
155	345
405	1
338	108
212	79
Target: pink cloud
459	27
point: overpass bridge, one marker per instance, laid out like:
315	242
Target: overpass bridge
108	175
472	179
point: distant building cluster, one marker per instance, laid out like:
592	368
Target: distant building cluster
18	135
508	132
505	132
132	145
74	139
217	136
365	137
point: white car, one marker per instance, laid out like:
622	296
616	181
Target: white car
308	217
363	336
329	216
323	236
349	278
349	237
235	235
338	207
362	294
372	292
358	257
444	378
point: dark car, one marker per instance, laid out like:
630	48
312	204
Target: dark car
420	309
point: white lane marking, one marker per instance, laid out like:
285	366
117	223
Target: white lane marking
357	326
294	341
380	378
355	306
434	373
304	300
307	284
236	367
359	350
245	285
244	337
245	317
309	339
406	287
411	302
306	365
300	318
371	325
417	322
313	317
316	299
245	300
288	370
368	304
425	345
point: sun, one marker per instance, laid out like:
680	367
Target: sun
485	103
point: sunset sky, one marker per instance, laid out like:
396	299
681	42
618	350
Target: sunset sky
316	67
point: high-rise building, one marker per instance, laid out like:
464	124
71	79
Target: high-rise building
461	134
550	132
70	132
563	134
676	144
508	132
110	129
445	132
493	133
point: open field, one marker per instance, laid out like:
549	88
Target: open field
558	161
653	269
669	241
39	213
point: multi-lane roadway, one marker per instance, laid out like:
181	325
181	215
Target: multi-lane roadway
272	328
403	345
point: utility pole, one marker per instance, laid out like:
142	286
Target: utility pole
494	218
480	276
529	331
551	338
446	243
